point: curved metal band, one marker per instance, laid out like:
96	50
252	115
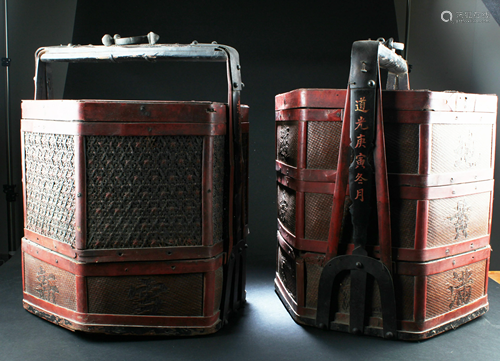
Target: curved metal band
159	52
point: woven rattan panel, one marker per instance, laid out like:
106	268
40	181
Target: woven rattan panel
50	185
318	213
165	295
404	287
218	189
402	147
461	147
323	142
313	274
453	220
286	143
455	288
144	191
342	289
403	221
49	283
219	279
287	272
286	207
343	297
405	296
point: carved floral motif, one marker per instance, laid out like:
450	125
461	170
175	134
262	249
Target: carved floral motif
47	286
461	218
461	288
284	142
147	296
465	152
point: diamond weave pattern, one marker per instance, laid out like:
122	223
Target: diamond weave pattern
144	191
50	185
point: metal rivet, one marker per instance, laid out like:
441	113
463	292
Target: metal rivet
238	67
389	335
454	262
173	267
371	83
57	261
78	194
359	265
235	84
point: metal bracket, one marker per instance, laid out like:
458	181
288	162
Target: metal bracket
359	266
150	39
233	292
364	118
10	192
6	62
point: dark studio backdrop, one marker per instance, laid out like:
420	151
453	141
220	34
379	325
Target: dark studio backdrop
283	45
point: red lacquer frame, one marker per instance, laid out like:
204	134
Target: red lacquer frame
420	327
423	108
90	118
82	320
181	118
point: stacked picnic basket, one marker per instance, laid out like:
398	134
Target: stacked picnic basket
135	211
422	267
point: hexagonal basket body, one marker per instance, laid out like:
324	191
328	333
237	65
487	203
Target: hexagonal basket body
126	223
440	152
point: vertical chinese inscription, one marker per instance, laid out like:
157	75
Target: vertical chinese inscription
46	288
360	170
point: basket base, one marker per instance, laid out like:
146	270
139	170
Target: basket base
131	330
292	309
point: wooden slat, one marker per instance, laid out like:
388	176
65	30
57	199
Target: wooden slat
495	276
